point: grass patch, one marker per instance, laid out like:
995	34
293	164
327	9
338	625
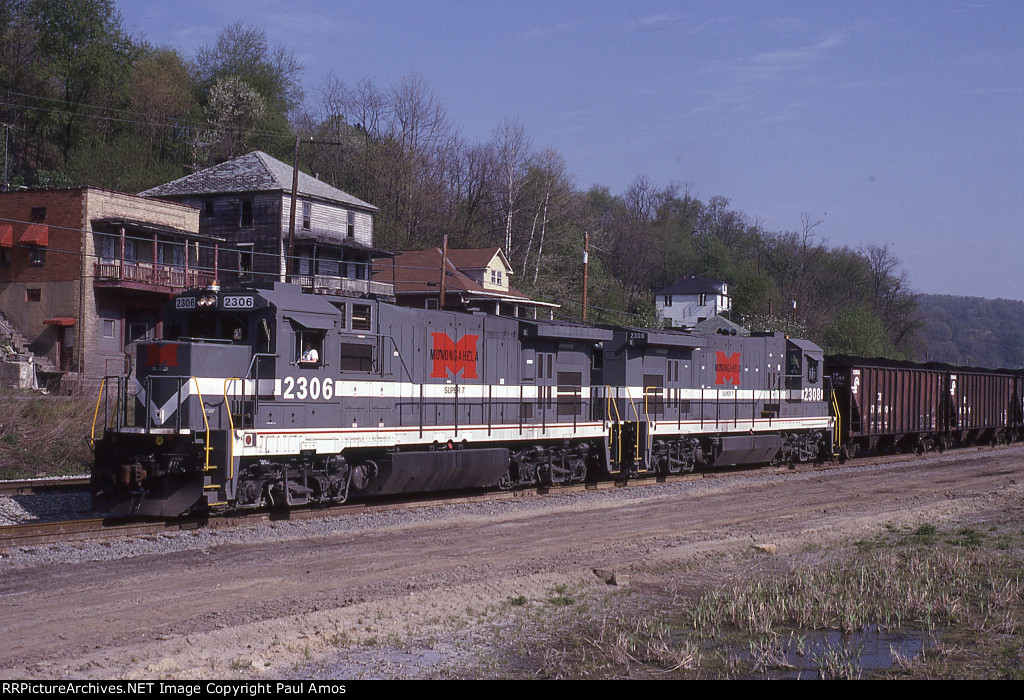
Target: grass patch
44	435
938	605
924	535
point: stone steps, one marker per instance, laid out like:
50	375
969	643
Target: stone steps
21	344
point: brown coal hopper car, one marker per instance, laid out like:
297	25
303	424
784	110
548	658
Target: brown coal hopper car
891	406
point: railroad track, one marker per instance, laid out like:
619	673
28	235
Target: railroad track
17	487
65	531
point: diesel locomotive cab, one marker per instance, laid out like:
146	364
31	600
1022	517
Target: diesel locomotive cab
165	428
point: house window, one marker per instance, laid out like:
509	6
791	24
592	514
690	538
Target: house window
246	220
33	295
5	256
702	299
668	300
208	208
138	330
36	255
431	303
245	261
306	215
38	214
496	277
351	224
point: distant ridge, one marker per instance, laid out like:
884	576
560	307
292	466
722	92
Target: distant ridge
972	330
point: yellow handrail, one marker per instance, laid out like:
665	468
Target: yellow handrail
202	408
96	413
837	439
618	423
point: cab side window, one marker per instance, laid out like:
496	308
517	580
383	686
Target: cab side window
812	370
309	348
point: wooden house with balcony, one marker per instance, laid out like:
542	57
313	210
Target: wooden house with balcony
247	202
85	273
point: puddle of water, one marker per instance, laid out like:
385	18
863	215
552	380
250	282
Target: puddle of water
809	654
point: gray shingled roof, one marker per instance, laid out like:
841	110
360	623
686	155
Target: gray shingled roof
711	325
253	172
693	285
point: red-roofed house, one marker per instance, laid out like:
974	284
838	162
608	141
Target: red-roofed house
476	279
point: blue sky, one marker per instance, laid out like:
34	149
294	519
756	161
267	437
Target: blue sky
897	123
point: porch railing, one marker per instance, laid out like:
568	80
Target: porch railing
155	274
344	284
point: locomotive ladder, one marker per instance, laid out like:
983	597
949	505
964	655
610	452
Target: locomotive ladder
207	448
620	424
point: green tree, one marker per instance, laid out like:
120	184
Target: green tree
858	332
85	56
239	65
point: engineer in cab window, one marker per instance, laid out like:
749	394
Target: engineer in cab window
310	356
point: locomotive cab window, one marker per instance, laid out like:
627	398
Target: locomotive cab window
793	375
309	348
812	370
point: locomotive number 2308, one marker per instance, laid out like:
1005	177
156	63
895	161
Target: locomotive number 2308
813	393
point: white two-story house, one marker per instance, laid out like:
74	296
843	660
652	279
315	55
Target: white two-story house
692	300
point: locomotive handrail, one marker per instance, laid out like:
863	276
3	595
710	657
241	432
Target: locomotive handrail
231	423
837	434
206	423
637	414
96	413
647	413
618	422
253	362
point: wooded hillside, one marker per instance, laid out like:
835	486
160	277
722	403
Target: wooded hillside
85	103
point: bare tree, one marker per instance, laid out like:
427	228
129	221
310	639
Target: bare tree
512	151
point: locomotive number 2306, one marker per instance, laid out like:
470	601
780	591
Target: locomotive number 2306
303	388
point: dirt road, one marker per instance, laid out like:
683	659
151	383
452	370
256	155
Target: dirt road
273	599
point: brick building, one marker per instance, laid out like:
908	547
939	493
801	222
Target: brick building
85	272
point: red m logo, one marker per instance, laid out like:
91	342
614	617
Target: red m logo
165	354
449	356
727	368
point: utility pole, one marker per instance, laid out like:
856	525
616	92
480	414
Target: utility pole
7	135
444	270
586	261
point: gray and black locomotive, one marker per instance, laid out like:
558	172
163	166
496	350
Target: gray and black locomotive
269	396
